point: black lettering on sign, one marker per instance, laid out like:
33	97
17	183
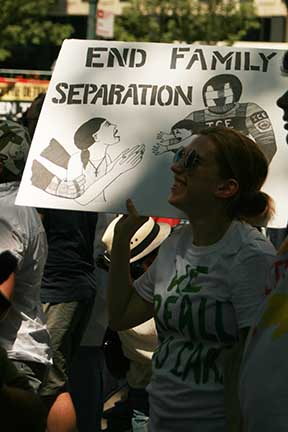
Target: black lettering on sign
188	57
110	57
261	121
260	115
227	122
118	94
60	88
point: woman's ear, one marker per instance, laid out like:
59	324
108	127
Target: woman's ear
95	136
227	188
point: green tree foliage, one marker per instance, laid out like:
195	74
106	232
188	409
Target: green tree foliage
26	22
188	21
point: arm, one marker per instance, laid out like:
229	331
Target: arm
43	179
232	362
21	410
125	306
16	397
166	142
8	265
97	188
261	130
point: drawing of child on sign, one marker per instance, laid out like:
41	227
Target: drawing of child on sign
178	137
221	95
91	166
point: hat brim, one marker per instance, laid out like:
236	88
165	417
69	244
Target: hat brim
164	232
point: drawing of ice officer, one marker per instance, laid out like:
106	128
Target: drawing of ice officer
221	96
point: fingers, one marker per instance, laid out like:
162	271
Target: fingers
133	213
131	209
133	156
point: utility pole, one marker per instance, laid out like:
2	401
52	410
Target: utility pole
286	21
91	24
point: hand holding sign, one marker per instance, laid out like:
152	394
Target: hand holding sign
129	224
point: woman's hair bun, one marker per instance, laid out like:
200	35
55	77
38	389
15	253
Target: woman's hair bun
254	203
257	205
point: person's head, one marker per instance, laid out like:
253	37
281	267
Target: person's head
184	129
221	170
144	244
14	148
30	117
95	130
221	92
282	102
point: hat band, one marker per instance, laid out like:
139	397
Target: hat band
146	242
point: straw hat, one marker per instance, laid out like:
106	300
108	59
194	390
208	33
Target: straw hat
148	237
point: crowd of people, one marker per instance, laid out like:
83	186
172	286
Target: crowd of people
197	316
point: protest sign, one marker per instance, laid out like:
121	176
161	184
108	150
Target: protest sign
116	112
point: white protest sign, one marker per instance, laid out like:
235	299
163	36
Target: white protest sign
115	113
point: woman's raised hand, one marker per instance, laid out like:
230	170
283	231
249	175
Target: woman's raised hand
130	223
128	159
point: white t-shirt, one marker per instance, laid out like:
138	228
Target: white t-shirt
22	332
263	386
202	296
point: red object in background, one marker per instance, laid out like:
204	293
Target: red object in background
170	221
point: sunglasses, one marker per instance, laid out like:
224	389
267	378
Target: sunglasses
187	161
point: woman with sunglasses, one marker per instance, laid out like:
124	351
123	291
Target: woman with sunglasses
205	286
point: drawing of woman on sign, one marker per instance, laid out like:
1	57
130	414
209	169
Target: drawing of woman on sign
90	166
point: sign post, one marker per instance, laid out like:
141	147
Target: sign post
91	24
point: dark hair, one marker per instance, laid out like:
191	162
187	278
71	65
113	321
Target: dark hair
284	66
240	158
83	137
185	124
